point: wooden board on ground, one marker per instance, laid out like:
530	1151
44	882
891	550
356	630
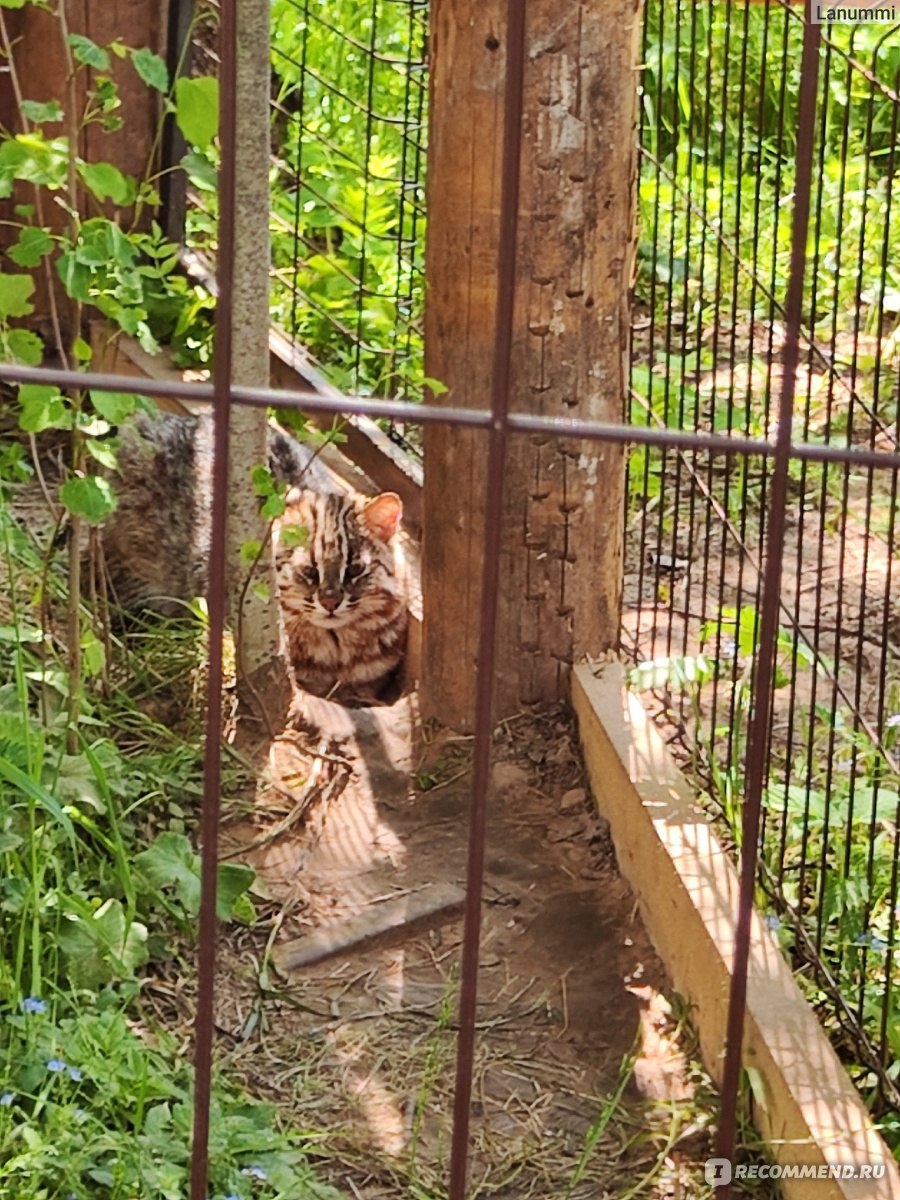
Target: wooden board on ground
379	924
803	1101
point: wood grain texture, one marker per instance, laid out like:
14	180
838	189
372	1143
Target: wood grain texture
562	553
803	1102
263	682
41	65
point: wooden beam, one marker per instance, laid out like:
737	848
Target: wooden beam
562	555
40	61
804	1103
387	923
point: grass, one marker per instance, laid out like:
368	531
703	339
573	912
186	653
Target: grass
719	104
99	888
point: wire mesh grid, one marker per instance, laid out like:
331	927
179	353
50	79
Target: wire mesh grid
719	130
349	123
706	620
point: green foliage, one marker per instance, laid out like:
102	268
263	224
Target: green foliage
99	880
89	1107
832	809
88	496
197	109
348	192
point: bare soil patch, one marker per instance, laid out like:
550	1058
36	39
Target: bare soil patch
361	1045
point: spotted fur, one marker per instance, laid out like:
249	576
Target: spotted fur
341	576
343	591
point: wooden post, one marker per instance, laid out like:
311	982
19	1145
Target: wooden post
262	677
562	557
40	61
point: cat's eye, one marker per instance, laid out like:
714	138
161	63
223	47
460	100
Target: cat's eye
355	571
309	575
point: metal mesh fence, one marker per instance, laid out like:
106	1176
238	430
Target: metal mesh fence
348	104
714	346
719	129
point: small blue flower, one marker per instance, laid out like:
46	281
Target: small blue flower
772	923
7	1098
254	1172
56	1064
33	1004
871	941
75	1074
893	721
232	1196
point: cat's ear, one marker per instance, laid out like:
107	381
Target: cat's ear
382	515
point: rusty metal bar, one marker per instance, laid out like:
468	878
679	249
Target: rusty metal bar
431	414
490	587
764	666
212	750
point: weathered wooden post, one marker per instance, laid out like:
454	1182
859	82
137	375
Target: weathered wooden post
38	37
562	557
263	684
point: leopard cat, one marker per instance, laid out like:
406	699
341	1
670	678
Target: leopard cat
343	592
341	577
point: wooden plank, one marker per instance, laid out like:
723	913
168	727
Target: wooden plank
561	560
687	888
364	443
380	924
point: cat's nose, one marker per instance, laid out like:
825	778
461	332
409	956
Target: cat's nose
329	599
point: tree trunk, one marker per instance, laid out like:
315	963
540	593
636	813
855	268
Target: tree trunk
263	682
562	549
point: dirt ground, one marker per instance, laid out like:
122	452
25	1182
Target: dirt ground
361	1044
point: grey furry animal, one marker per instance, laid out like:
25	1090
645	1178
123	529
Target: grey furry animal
156	543
342	578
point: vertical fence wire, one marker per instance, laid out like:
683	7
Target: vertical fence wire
764	665
490	588
204	1021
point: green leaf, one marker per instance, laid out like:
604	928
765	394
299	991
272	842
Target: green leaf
93	655
42	110
293	535
34	791
25	347
88	52
151	69
34	158
200	171
261	478
43	408
197	109
250	551
88	496
75	783
434	386
107	182
13	3
171	862
234	881
14	295
103	946
82	350
114	407
102	452
273	507
31	245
